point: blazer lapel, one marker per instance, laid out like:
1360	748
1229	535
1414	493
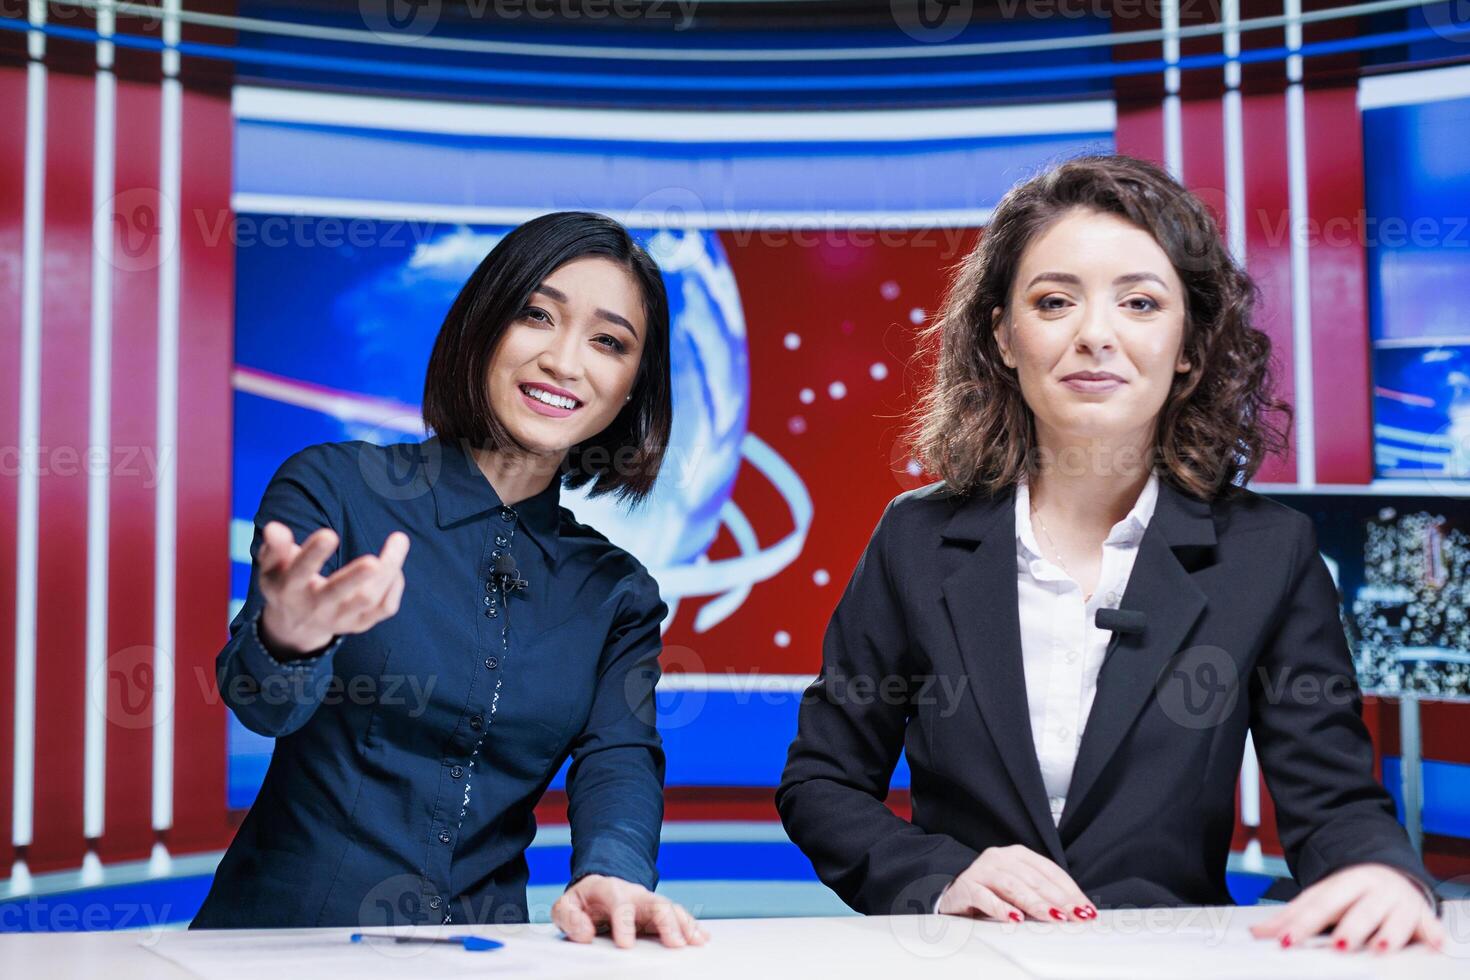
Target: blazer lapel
982	598
1179	539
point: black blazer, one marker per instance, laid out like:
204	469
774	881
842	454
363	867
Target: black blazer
923	653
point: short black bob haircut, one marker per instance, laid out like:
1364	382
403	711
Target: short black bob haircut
623	458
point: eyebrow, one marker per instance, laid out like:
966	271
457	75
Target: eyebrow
1128	279
553	293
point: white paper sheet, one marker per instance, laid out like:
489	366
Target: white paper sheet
1169	944
229	955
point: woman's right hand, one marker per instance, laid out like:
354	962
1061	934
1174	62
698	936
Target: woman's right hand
1011	883
304	610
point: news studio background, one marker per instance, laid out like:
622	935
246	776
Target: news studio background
231	230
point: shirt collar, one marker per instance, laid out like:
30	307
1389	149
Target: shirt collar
462	491
1127	531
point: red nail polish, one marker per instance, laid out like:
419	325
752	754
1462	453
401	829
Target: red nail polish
1382	945
1286	940
1015	916
1341	944
1080	912
1057	914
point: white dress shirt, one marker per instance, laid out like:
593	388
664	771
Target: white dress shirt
1061	648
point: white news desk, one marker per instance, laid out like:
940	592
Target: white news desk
1194	943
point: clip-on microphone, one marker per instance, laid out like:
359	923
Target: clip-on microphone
1120	620
508	575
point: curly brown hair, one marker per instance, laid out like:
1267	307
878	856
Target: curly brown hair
972	426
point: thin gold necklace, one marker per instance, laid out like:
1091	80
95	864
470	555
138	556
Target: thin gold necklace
1060	561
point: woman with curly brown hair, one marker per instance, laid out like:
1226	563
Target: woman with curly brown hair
1112	610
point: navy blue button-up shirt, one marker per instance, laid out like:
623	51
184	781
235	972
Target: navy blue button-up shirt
408	757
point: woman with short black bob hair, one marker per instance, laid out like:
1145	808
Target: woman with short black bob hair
457	399
511	638
1114	611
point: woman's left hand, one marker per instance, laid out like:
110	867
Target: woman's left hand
598	903
1374	906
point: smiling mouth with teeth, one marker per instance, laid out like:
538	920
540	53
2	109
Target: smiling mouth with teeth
546	397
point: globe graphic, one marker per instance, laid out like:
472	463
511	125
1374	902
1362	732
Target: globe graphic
710	369
395	313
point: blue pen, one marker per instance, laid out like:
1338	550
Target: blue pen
474	944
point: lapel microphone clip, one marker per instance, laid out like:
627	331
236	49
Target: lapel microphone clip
508	575
1121	620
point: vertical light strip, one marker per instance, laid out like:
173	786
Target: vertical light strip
99	434
1235	237
28	490
1411	764
1234	136
1250	785
36	40
1173	117
166	515
1250	770
1301	283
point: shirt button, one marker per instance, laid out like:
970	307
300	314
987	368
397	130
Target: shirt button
507	515
500	539
435	902
489	600
492	662
1112	597
456	772
1061	733
489	585
490	613
1072	657
477	723
444	837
